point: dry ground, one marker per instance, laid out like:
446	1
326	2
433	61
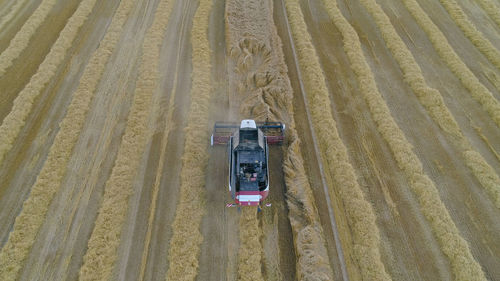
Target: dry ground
409	247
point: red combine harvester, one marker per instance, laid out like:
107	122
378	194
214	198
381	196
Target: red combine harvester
248	157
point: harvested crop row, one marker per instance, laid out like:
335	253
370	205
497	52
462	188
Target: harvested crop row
13	12
359	212
264	86
186	238
477	90
49	180
433	102
23	36
101	254
14	121
452	244
249	51
249	257
491	9
475	36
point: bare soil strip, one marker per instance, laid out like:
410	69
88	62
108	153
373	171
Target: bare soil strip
360	214
48	182
186	239
23	37
15	120
101	254
474	35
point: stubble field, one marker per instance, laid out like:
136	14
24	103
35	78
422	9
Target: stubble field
390	168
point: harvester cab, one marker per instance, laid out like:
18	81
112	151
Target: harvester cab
247	148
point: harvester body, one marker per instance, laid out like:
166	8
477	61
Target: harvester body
248	155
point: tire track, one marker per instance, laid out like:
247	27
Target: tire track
48	181
186	239
360	215
23	104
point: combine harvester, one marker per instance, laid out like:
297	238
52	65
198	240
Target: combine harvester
248	157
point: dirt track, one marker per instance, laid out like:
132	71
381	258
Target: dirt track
295	238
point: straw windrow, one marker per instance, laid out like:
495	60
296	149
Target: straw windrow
101	254
477	90
48	182
475	36
186	238
433	102
491	9
23	36
249	256
452	244
359	213
13	12
15	120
